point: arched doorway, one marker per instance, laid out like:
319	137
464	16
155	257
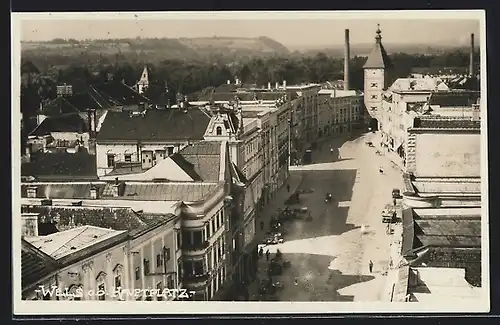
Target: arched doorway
373	126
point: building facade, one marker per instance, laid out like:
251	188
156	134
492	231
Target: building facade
339	111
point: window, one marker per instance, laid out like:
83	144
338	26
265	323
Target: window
192	239
373	96
167	253
102	290
138	273
170	150
373	84
159	287
111	160
178	240
218	130
193	268
170	282
118	281
217	221
128	157
146	267
213	225
159	260
207	230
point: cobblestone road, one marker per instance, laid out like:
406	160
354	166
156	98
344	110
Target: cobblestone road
330	255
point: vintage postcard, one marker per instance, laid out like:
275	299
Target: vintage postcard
249	162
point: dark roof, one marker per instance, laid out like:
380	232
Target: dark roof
186	166
439	231
271	95
163	191
60	165
435	123
450	257
35	265
120	93
378	58
201	161
61	123
155	125
440	70
220	96
454	99
226	88
63	191
29	67
58	106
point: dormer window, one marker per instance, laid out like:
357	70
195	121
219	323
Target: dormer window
218	130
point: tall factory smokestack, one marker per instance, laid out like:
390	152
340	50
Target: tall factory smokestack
471	62
347	56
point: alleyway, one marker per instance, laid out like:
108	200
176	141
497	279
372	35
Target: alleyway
330	255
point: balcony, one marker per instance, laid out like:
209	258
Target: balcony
195	247
195	278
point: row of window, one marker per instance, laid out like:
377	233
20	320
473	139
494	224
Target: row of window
161	259
147	156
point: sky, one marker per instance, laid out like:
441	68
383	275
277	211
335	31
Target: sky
307	29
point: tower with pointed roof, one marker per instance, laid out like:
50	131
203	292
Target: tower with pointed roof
376	68
143	82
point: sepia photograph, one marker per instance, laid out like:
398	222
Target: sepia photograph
249	162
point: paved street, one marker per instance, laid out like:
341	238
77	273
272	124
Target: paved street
330	255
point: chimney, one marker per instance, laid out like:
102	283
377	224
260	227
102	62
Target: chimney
228	81
269	85
471	62
93	192
31	192
347	57
476	112
29	224
284	84
277	85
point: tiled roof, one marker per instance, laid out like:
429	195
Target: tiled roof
120	92
60	105
66	242
89	98
63	190
204	160
60	165
226	88
61	123
166	191
71	217
186	166
35	265
434	123
155	125
378	58
454	99
451	257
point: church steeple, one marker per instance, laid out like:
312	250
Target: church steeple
378	58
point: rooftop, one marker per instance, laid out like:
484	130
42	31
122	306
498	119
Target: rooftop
378	58
64	243
35	265
154	125
90	98
454	99
442	284
339	93
61	123
446	228
438	122
119	93
418	84
61	165
447	186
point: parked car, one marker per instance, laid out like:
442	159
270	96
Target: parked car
389	214
396	193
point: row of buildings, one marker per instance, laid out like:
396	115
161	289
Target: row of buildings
433	132
149	198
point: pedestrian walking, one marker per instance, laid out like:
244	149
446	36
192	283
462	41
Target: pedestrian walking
288	188
394	201
296	281
261	252
267	255
262	225
370	266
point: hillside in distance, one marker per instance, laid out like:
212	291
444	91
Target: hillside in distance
199	48
365	49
